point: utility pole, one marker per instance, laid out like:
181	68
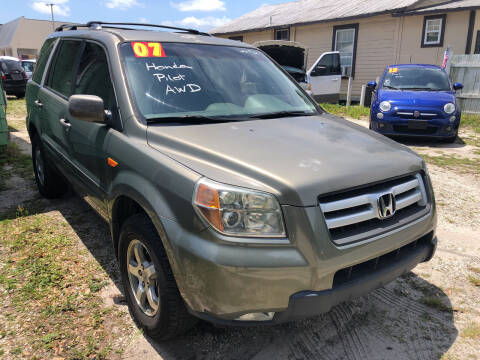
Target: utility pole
53	20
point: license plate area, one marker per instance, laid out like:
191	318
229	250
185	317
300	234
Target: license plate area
17	77
417	124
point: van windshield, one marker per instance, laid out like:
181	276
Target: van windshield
179	80
416	78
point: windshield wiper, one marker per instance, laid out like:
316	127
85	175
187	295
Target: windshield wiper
193	119
281	114
420	89
391	87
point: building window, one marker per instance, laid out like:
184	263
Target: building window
345	41
282	34
433	30
237	38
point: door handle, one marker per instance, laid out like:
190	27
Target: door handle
38	103
65	123
336	79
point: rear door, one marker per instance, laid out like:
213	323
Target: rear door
325	76
34	107
53	100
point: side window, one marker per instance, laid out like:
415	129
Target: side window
329	64
42	60
93	77
61	74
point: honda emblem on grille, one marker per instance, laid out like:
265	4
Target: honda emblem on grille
416	113
386	206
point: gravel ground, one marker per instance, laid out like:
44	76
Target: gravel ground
432	312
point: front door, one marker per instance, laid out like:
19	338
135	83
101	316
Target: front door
325	77
88	140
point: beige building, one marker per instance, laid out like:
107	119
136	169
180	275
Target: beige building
370	34
23	37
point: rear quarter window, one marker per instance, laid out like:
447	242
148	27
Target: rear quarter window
42	60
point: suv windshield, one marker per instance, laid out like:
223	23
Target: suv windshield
178	80
416	78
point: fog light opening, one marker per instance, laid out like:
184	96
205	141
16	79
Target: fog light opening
452	119
449	128
379	116
381	125
266	316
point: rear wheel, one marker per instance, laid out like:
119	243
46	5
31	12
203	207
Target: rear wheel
149	285
49	183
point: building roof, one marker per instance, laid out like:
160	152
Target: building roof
7	31
316	11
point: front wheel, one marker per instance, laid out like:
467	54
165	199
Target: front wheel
450	140
149	285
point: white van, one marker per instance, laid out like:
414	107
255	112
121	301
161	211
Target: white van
322	80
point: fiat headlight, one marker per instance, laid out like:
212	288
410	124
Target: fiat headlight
238	212
385	106
449	108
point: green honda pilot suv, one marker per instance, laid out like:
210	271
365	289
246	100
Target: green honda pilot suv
230	194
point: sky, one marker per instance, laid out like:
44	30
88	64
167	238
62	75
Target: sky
198	14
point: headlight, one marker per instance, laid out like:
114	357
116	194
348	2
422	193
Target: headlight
385	106
449	108
236	211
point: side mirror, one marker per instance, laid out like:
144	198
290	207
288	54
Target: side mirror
457	86
372	85
88	108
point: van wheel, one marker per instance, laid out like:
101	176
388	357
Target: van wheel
149	286
49	183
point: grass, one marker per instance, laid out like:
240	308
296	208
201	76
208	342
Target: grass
451	161
435	303
46	278
356	112
471	121
474	280
472	331
16	108
13	161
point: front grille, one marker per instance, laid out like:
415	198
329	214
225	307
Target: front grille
423	115
405	129
368	268
354	215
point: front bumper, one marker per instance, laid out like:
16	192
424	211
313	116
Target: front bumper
310	303
221	280
393	126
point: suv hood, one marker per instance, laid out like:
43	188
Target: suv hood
296	158
417	98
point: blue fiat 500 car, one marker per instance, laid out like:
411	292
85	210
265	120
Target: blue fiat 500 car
415	100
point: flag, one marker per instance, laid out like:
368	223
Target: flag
445	57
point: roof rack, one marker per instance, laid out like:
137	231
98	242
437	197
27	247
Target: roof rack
97	25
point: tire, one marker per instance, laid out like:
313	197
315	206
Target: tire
50	184
171	317
450	140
